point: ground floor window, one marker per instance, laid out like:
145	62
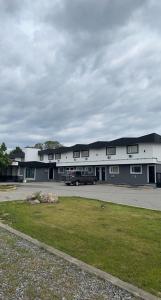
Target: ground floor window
61	170
89	169
30	173
84	170
79	168
114	169
136	169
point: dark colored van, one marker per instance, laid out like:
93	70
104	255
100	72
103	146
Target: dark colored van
77	178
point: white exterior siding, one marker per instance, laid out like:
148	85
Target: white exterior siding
157	152
99	157
148	154
31	154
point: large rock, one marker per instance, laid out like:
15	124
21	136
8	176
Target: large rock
40	197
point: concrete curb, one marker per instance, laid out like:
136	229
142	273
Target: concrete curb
114	280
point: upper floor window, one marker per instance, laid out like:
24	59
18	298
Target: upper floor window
50	156
76	154
114	169
136	169
131	149
41	157
57	155
85	153
110	150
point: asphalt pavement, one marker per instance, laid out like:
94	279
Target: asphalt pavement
146	196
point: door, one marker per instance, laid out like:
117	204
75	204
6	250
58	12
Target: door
151	174
103	173
158	177
98	173
51	173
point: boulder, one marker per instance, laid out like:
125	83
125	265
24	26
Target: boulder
40	197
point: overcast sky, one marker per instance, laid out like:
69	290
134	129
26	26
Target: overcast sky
77	71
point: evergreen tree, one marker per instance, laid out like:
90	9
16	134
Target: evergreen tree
4	157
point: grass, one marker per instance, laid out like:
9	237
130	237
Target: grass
6	187
121	240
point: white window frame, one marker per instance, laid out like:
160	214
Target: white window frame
136	173
114	172
110	148
133	152
61	172
76	156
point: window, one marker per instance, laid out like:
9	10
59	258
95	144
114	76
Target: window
90	170
61	170
131	149
85	153
76	154
30	173
114	169
41	157
57	155
50	156
136	169
110	150
79	168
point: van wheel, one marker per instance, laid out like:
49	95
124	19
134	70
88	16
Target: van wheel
77	183
94	182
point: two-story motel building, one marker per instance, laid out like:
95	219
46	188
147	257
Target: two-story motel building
133	161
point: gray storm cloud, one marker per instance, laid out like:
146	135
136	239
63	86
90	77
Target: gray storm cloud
80	70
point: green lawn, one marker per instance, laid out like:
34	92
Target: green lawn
121	240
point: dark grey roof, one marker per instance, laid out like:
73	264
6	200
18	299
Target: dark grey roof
36	164
152	138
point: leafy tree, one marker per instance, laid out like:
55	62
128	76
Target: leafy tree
52	145
48	145
4	158
38	146
15	151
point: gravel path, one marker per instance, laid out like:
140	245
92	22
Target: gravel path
28	272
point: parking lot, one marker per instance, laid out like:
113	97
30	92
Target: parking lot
147	197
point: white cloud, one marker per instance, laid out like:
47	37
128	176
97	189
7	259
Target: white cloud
70	73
